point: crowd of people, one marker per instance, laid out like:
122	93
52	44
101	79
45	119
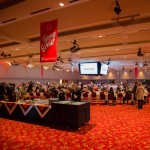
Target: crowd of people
12	92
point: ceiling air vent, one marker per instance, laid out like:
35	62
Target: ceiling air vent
38	11
9	44
34	39
9	20
113	34
71	1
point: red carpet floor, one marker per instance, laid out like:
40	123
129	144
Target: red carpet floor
121	127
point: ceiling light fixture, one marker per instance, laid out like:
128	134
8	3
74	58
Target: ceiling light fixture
136	64
56	66
117	8
145	64
3	54
61	4
14	63
123	68
75	47
69	59
108	62
60	59
139	53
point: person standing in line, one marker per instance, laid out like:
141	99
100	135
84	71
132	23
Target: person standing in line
140	95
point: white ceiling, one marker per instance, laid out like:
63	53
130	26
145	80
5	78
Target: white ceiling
82	20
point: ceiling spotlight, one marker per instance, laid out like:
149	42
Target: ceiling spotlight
14	63
139	53
123	68
108	61
145	64
60	59
117	8
69	59
136	64
2	54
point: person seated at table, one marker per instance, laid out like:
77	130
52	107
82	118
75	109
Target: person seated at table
61	95
76	94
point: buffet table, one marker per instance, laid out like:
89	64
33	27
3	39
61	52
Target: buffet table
71	114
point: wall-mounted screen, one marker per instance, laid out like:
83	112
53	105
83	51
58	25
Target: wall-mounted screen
88	68
103	69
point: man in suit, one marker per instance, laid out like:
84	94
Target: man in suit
76	94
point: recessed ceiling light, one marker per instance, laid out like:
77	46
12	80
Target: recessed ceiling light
30	65
17	49
45	68
100	36
78	53
116	49
125	57
61	4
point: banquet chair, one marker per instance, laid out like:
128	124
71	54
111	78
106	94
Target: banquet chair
93	98
32	95
111	100
129	98
68	96
52	95
102	100
38	95
46	95
85	96
119	99
147	99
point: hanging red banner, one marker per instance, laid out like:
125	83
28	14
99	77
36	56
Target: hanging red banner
48	41
136	72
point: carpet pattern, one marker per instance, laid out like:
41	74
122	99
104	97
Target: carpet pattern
121	127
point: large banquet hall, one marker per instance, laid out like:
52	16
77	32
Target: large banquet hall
70	71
